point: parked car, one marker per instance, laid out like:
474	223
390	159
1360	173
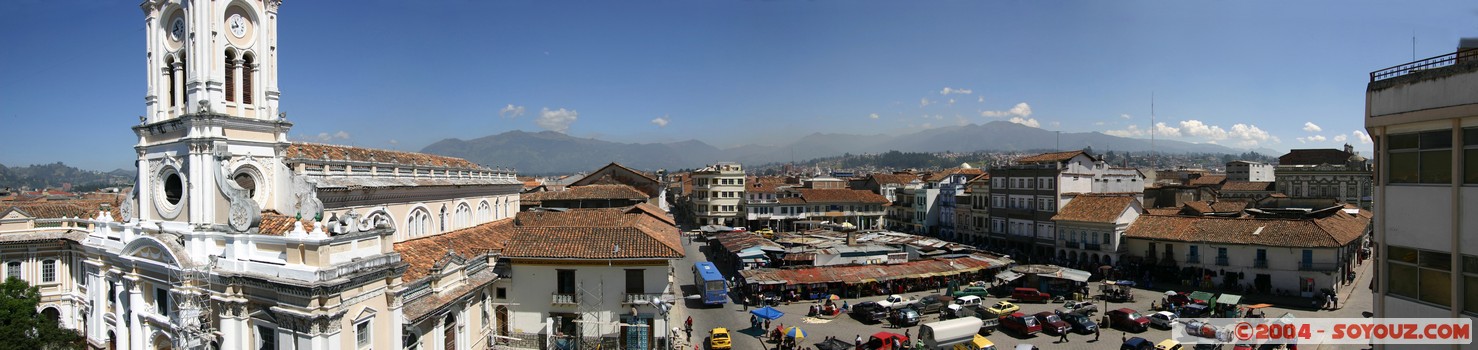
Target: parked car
1030	294
1051	323
907	317
1080	323
1021	324
1087	308
1136	343
1163	319
933	303
968	300
718	338
869	312
1168	344
896	302
1128	319
972	291
1194	310
1001	308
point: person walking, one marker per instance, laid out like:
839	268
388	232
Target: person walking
858	341
746	302
1062	337
906	334
1096	332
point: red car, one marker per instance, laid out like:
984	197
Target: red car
1180	299
1021	324
1128	319
884	340
1051	323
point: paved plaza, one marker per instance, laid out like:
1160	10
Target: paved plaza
1354	301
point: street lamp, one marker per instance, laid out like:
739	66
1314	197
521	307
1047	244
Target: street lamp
663	308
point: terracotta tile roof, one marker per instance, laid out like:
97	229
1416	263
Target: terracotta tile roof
623	167
1197	208
1050	157
1095	208
586	192
1247	186
317	151
764	184
594	234
841	196
274	224
530	182
791	200
899	179
1208	180
1315	157
57	209
1335	230
1162	211
422	254
1229	205
940	176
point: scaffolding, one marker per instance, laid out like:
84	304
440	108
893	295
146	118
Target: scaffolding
194	329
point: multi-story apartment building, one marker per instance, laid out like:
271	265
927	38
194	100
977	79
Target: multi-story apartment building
1092	227
951	183
718	194
887	184
1423	118
922	211
1326	173
1241	170
761	202
976	210
1025	196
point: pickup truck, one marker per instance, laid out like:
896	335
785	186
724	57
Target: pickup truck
869	312
896	302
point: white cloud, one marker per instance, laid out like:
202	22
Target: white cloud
948	91
1365	139
873	116
1250	132
511	111
1340	138
951	102
1098	123
927	126
1021	110
1032	122
324	137
1131	131
394	142
558	120
1161	130
1311	127
342	135
1198	129
1126	116
661	121
981	99
1315	138
961	121
924	102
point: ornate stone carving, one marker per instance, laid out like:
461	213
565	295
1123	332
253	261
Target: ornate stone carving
126	209
244	212
305	195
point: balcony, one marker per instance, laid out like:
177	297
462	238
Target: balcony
565	299
1193	258
1260	263
1316	266
640	298
1423	65
1071	245
1223	261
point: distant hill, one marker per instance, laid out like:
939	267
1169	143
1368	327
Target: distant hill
551	152
55	174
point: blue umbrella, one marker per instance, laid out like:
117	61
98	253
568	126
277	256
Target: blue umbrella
768	313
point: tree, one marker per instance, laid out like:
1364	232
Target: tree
22	327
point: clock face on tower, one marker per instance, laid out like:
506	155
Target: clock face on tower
177	29
237	24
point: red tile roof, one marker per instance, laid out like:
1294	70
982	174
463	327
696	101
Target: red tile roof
594	234
70	208
422	254
941	175
764	184
1208	180
1094	208
841	196
1050	157
317	151
1336	230
1247	186
586	192
899	179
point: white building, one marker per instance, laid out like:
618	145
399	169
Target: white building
1092	227
1242	170
1423	120
718	193
1025	196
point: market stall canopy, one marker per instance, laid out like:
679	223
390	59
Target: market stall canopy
1229	299
1073	274
1008	276
767	313
1203	296
1258	306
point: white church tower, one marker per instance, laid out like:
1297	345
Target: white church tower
211	55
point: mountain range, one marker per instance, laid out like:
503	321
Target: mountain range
54	175
549	152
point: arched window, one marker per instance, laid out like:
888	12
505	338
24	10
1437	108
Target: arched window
248	71
169	75
484	212
464	216
230	75
419	223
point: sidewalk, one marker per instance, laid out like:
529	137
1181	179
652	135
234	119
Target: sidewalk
1362	280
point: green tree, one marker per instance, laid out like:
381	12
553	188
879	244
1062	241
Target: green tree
22	327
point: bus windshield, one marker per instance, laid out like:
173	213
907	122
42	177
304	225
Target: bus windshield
715	285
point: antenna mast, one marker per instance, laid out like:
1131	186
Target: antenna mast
1154	160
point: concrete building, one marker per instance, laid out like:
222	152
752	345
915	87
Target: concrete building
975	212
1241	170
1092	227
1423	117
1326	173
718	192
1025	196
951	184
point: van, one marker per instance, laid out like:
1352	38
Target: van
967	301
1030	294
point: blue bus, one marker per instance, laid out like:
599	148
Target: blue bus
710	283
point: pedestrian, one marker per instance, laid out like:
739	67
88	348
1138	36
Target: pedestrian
746	302
1123	337
906	334
767	324
1062	337
858	341
689	324
1096	331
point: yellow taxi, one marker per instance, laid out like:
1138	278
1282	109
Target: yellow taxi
718	338
766	232
1002	308
976	343
1168	344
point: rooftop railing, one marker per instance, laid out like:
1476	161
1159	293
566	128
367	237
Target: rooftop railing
1424	64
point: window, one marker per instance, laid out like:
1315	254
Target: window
248	69
1195	251
266	338
1424	157
502	293
635	281
1470	157
13	269
362	336
1420	274
161	301
1470	284
565	282
230	76
48	271
1106	238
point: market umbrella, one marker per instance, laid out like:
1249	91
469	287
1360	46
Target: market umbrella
1170	293
795	332
834	297
767	313
834	344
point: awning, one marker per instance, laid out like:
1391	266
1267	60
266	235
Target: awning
1203	296
1228	299
1073	274
750	253
1008	275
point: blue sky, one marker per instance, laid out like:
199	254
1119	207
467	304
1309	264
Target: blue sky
404	74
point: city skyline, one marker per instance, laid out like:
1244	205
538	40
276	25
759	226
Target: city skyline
401	76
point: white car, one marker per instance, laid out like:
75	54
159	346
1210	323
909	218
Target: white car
1163	319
